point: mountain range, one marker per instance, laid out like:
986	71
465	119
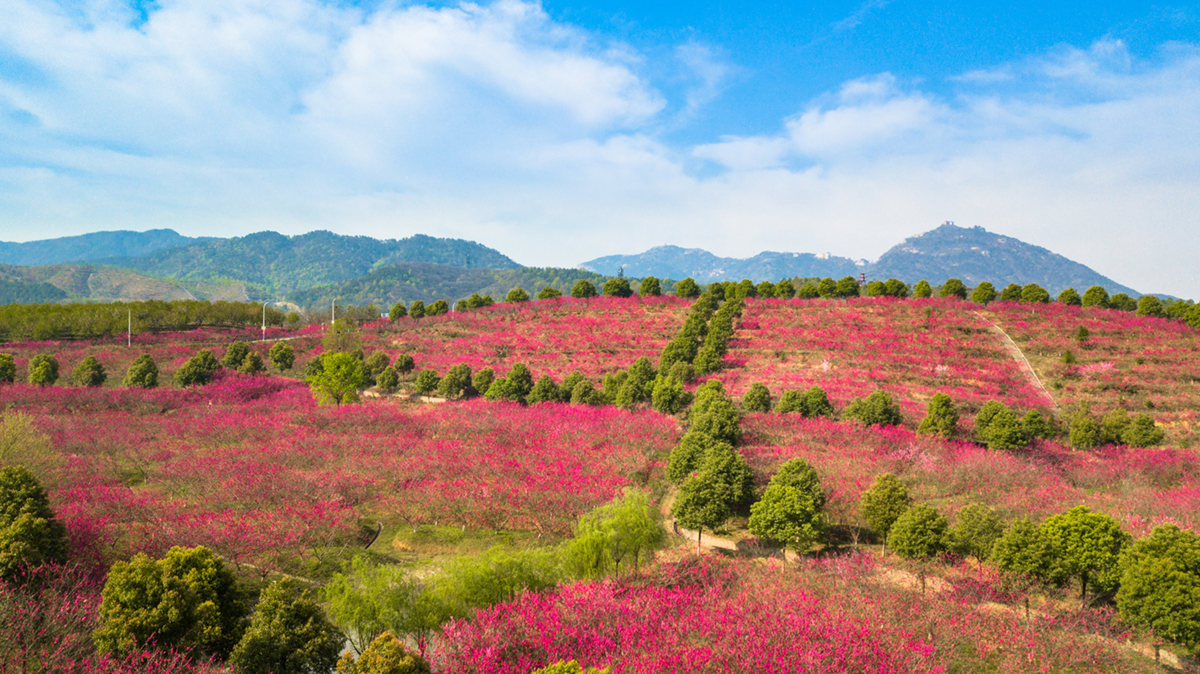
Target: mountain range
312	269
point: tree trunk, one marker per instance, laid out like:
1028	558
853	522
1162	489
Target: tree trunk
699	533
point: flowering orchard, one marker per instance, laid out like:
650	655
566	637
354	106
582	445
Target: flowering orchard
910	348
1120	359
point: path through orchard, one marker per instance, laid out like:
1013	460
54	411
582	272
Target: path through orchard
1015	353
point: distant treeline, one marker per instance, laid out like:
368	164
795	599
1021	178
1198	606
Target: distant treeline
88	321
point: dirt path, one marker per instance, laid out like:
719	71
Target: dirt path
1015	353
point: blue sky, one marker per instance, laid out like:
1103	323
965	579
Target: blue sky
563	131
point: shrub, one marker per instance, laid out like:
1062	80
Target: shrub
198	370
288	634
456	381
549	293
388	380
387	654
251	364
1142	432
766	289
583	289
569	667
483	380
827	287
1149	305
1038	426
757	399
1005	432
544	391
877	409
30	533
1123	302
650	287
142	373
941	418
376	363
8	368
89	372
438	308
516	295
235	354
584	393
427	381
43	369
416	310
282	356
668	395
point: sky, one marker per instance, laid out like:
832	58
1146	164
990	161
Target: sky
563	131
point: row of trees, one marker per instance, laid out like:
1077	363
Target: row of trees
95	320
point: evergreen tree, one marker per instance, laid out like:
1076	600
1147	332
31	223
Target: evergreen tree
757	399
8	368
1149	305
1011	293
89	372
1070	297
397	312
1142	432
549	293
953	288
790	511
650	287
456	382
282	356
427	382
1160	585
920	532
388	380
847	287
416	310
288	634
583	289
1088	546
877	409
198	370
922	289
941	418
544	391
615	287
516	295
1096	296
1033	293
984	293
687	288
975	531
785	290
43	369
30	533
142	373
883	503
235	354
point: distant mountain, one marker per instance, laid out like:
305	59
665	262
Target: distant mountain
94	246
280	264
408	281
679	263
87	282
974	254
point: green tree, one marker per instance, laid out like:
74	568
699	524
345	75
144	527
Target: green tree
1070	297
483	380
984	293
388	380
404	363
397	312
766	290
1160	585
975	531
30	533
883	503
816	403
456	381
282	356
198	370
719	421
142	373
1087	546
847	287
377	362
288	634
43	369
877	409
548	293
687	288
1123	302
583	289
8	368
584	393
953	288
1096	296
1085	432
386	655
235	354
808	291
619	531
687	455
1142	432
668	395
340	379
366	600
570	667
438	308
188	601
650	286
941	418
791	402
252	364
1149	305
894	287
827	287
544	391
1011	293
416	310
1024	550
1005	431
919	533
516	295
1038	426
922	289
520	382
702	503
1033	293
785	290
790	511
757	399
89	372
427	381
615	287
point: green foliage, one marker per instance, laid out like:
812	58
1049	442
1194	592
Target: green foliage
1023	550
1123	302
1085	431
790	511
1087	545
472	582
516	295
43	369
397	312
584	393
544	391
827	287
438	308
668	395
477	301
89	372
388	380
366	600
1082	334
1142	432
404	363
1070	297
650	287
456	381
483	380
953	288
877	409
717	419
142	373
340	379
638	385
941	418
1068	357
288	634
1096	296
730	470
385	655
702	503
1149	305
91	320
785	289
569	667
984	293
808	291
847	287
1011	293
343	335
282	356
428	380
583	289
614	287
377	362
922	289
686	457
1038	426
1033	293
757	399
187	601
549	293
8	368
1004	431
198	370
766	290
252	364
1160	585
919	533
416	310
30	534
687	288
975	531
622	530
235	354
810	404
883	503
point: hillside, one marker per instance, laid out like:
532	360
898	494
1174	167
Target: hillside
405	282
282	264
93	246
96	283
678	263
974	254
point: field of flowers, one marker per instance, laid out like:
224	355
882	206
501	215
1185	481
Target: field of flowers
252	467
910	348
1140	363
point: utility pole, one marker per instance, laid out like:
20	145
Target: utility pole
264	326
332	311
129	331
